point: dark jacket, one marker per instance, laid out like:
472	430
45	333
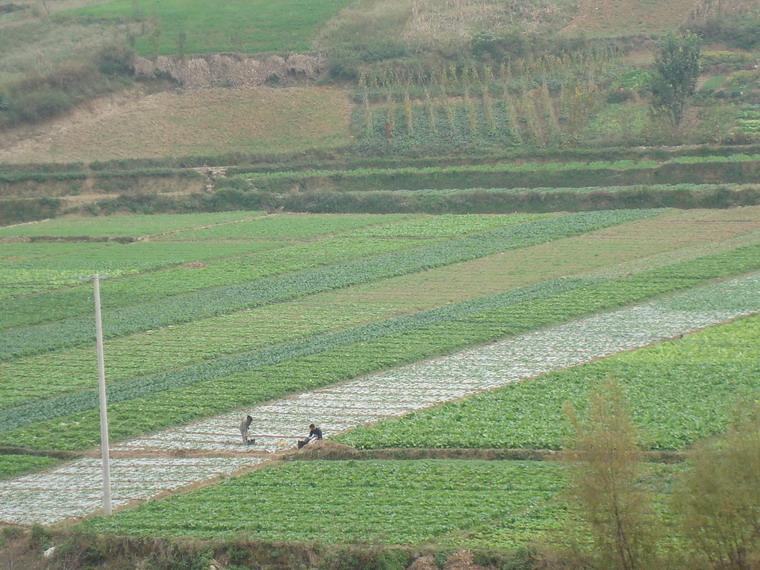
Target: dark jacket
316	433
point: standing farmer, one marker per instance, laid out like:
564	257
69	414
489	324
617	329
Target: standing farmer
244	425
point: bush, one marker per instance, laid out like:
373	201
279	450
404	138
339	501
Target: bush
39	105
499	46
39	538
603	484
116	60
619	96
718	498
39	97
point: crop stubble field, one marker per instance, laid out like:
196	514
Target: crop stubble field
349	295
190	123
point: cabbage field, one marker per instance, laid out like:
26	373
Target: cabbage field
373	326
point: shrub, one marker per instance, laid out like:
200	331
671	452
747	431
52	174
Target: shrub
718	498
499	46
39	538
603	484
38	97
116	60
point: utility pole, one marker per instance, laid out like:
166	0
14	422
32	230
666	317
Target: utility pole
104	447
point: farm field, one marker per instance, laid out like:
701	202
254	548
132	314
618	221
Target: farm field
203	339
391	393
624	17
239	26
504	254
190	123
491	504
14	465
419	302
409	502
220	300
680	392
736	168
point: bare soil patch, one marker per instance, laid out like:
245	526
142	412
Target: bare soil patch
188	123
628	17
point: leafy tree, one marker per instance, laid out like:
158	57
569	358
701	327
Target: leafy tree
604	486
718	498
676	66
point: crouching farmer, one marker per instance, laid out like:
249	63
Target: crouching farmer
314	433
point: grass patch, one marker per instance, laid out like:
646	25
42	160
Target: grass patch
248	26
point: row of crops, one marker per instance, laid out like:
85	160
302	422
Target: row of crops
281	324
679	391
15	465
168	398
736	168
486	504
226	299
323	241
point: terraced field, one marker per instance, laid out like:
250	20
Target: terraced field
335	319
248	27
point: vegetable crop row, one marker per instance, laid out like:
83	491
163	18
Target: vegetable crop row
680	391
351	353
736	169
286	257
221	300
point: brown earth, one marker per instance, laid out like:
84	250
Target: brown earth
187	123
628	17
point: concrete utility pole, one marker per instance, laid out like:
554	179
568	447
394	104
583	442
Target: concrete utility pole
104	447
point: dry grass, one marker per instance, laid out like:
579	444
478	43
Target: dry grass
434	20
187	123
628	17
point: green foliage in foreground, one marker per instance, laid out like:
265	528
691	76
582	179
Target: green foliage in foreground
13	465
391	502
209	389
679	392
249	26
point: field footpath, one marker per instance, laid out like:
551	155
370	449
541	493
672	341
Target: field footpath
157	464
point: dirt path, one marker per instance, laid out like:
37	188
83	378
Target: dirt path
153	465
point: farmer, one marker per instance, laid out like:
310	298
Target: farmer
244	425
314	433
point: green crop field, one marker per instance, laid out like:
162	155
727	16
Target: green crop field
429	227
14	465
239	26
325	298
209	314
491	504
735	168
680	392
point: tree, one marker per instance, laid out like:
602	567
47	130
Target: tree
718	498
604	486
677	66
